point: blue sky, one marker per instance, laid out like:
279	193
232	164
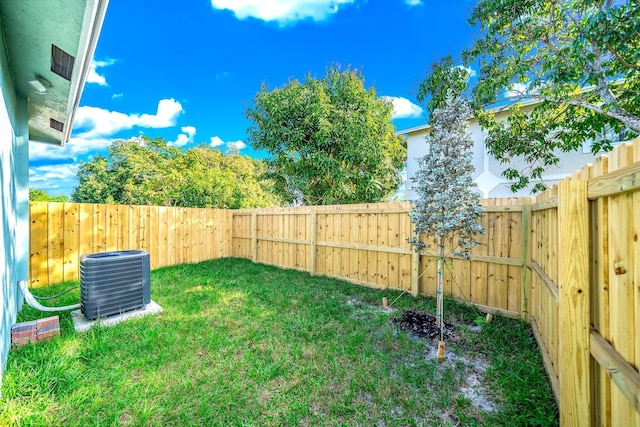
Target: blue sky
188	70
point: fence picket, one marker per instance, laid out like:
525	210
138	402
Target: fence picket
111	234
39	247
72	239
55	239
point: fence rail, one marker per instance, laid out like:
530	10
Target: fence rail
367	244
585	304
567	260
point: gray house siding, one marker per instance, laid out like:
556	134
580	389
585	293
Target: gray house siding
14	203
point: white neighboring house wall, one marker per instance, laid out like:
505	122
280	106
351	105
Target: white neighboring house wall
488	171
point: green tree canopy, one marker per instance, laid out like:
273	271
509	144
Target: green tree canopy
331	140
576	62
38	195
149	172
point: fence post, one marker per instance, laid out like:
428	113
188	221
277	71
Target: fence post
574	373
312	237
526	262
254	236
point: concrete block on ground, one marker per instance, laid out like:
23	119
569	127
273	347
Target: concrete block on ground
23	333
23	326
35	330
46	335
47	321
81	324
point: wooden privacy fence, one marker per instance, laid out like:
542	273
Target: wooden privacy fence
62	232
567	260
585	289
367	244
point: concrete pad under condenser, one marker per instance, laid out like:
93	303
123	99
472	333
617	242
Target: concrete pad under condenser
81	324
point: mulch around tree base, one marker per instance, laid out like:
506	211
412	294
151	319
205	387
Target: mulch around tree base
423	324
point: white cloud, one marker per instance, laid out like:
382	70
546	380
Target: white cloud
236	145
117	95
96	78
216	141
52	173
413	2
281	11
516	89
54	179
100	122
184	138
403	108
470	71
94	122
71	150
168	112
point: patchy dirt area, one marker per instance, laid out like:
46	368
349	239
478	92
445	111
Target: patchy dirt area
474	367
423	324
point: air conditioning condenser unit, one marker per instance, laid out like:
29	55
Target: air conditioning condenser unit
114	283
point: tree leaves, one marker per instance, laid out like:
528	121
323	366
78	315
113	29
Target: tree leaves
447	208
578	64
445	79
38	195
149	172
331	140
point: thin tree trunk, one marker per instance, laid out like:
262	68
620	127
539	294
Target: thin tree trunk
439	286
440	297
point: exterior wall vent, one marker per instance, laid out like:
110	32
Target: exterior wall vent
59	126
61	62
114	283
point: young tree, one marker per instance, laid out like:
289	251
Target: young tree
331	140
578	62
447	210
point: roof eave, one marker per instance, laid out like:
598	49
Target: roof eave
92	24
500	109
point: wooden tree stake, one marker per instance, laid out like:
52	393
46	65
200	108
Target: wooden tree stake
441	351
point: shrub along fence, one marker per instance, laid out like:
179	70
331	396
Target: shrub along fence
567	260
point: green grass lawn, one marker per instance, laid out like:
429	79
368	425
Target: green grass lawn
253	345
